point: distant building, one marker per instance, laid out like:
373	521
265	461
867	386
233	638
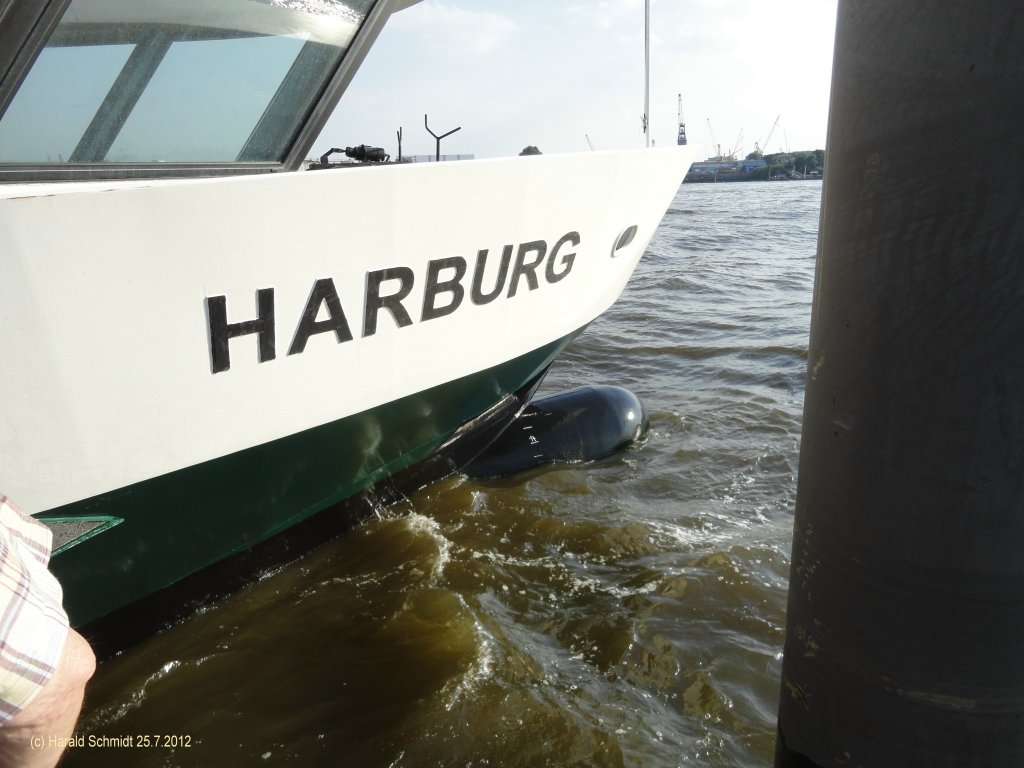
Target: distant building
723	169
746	166
433	158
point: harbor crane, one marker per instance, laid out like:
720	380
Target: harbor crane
681	138
735	150
718	147
757	145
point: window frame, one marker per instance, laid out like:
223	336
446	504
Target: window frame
27	25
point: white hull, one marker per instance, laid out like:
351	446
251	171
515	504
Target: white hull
106	344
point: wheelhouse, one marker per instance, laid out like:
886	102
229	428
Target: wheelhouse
95	89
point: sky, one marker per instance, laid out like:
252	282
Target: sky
553	73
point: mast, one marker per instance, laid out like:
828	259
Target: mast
647	72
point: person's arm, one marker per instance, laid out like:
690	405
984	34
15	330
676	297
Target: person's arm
36	736
44	665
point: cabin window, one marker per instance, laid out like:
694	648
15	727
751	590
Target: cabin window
177	81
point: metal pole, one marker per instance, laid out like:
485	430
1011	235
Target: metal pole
905	624
647	73
437	158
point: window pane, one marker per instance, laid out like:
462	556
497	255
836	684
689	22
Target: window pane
199	77
177	80
58	99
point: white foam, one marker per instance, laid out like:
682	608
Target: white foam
421	524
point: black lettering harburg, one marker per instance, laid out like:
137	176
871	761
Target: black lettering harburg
387	289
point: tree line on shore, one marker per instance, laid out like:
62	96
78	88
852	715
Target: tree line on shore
789	163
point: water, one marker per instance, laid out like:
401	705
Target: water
625	613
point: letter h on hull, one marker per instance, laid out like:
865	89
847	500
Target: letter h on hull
221	331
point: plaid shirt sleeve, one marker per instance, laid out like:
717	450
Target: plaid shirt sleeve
33	625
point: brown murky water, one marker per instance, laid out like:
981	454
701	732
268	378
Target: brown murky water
624	613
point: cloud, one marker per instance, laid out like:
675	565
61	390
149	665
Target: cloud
457	30
604	14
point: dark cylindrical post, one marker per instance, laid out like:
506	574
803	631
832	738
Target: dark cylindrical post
905	626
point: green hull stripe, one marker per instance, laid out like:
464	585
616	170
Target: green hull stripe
178	523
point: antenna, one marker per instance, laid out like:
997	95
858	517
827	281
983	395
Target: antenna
399	144
438	138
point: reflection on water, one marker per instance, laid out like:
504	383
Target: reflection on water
624	613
